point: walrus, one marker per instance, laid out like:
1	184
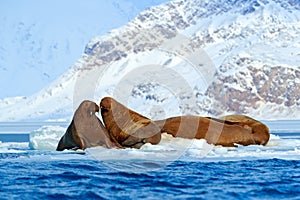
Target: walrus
86	130
226	131
129	128
259	130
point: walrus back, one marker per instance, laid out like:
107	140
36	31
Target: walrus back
129	128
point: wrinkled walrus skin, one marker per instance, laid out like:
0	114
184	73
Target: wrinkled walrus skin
86	130
126	128
129	128
227	131
260	131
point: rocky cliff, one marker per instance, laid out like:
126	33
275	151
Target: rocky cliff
215	57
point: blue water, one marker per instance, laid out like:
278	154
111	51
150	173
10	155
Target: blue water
90	179
254	172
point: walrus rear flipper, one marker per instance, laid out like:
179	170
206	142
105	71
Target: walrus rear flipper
259	130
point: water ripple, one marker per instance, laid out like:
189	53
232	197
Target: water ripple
90	179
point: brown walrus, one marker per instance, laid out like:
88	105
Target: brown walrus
126	128
129	128
86	130
260	131
229	132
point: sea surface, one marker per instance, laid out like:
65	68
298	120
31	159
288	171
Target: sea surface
177	168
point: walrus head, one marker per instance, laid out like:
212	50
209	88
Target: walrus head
85	130
129	128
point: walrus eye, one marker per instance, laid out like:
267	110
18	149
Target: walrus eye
91	113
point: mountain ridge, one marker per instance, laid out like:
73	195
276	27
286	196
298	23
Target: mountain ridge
250	45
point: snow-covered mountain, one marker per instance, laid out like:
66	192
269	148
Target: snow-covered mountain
40	40
186	57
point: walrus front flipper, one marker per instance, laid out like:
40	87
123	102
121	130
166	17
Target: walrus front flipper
86	130
70	140
129	128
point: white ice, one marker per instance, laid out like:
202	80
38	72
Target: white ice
169	149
